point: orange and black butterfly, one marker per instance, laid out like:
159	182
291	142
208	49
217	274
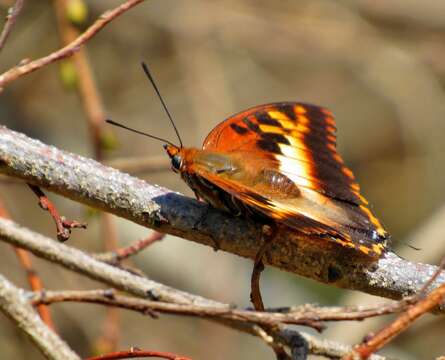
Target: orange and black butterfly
279	162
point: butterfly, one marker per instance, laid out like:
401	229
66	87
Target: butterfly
278	163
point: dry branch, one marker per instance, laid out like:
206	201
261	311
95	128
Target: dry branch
13	304
141	287
301	315
137	353
11	18
116	256
70	49
96	185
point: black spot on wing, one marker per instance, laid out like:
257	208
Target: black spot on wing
288	110
319	141
269	146
317	115
265	119
239	129
273	137
258	198
251	125
327	167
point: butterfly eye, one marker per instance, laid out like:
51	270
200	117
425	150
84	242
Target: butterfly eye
176	162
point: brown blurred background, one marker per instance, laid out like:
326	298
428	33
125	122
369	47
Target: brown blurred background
378	65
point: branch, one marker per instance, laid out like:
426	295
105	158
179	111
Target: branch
307	315
14	305
376	341
70	49
96	185
116	256
137	353
11	18
141	287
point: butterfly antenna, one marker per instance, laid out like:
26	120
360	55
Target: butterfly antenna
139	132
147	72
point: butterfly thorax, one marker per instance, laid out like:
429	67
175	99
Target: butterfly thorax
196	161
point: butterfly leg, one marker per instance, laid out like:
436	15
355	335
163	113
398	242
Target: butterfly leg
267	236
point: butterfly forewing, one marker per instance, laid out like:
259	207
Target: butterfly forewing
283	162
300	137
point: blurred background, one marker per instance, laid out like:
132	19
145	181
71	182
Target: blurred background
378	65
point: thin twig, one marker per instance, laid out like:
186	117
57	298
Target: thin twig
35	284
11	18
423	291
116	256
133	353
63	226
70	49
307	315
15	306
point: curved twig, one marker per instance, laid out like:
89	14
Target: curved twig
138	353
301	315
71	48
11	18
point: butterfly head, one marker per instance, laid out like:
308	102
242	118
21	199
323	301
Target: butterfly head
176	157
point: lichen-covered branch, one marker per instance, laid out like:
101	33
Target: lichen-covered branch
14	305
96	185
